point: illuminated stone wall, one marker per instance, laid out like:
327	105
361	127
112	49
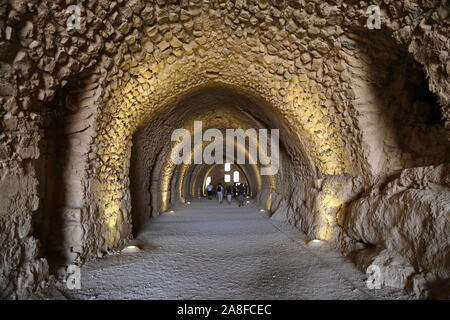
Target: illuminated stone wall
75	98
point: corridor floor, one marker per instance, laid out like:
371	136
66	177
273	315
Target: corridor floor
210	251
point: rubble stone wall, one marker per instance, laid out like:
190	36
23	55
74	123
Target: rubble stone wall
344	96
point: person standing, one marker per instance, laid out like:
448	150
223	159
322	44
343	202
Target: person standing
209	190
229	194
234	190
219	192
241	194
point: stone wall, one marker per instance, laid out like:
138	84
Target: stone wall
129	61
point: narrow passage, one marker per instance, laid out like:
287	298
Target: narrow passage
208	251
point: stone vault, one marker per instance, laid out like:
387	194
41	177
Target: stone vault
87	113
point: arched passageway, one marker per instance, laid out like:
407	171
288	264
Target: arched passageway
88	112
208	251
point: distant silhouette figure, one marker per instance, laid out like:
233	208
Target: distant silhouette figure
234	190
219	192
209	190
229	194
241	194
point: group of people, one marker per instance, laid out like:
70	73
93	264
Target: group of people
237	190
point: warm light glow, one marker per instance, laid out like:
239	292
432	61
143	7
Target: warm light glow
183	171
328	203
132	103
164	200
315	243
166	177
130	249
269	202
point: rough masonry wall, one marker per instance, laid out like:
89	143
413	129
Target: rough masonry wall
222	108
141	54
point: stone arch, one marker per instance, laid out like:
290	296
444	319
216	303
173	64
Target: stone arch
202	104
127	43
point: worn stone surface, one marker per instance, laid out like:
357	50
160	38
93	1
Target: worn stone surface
349	101
207	251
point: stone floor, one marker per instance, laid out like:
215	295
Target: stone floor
210	251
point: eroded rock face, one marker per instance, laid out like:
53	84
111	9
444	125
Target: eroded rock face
400	226
72	99
410	219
